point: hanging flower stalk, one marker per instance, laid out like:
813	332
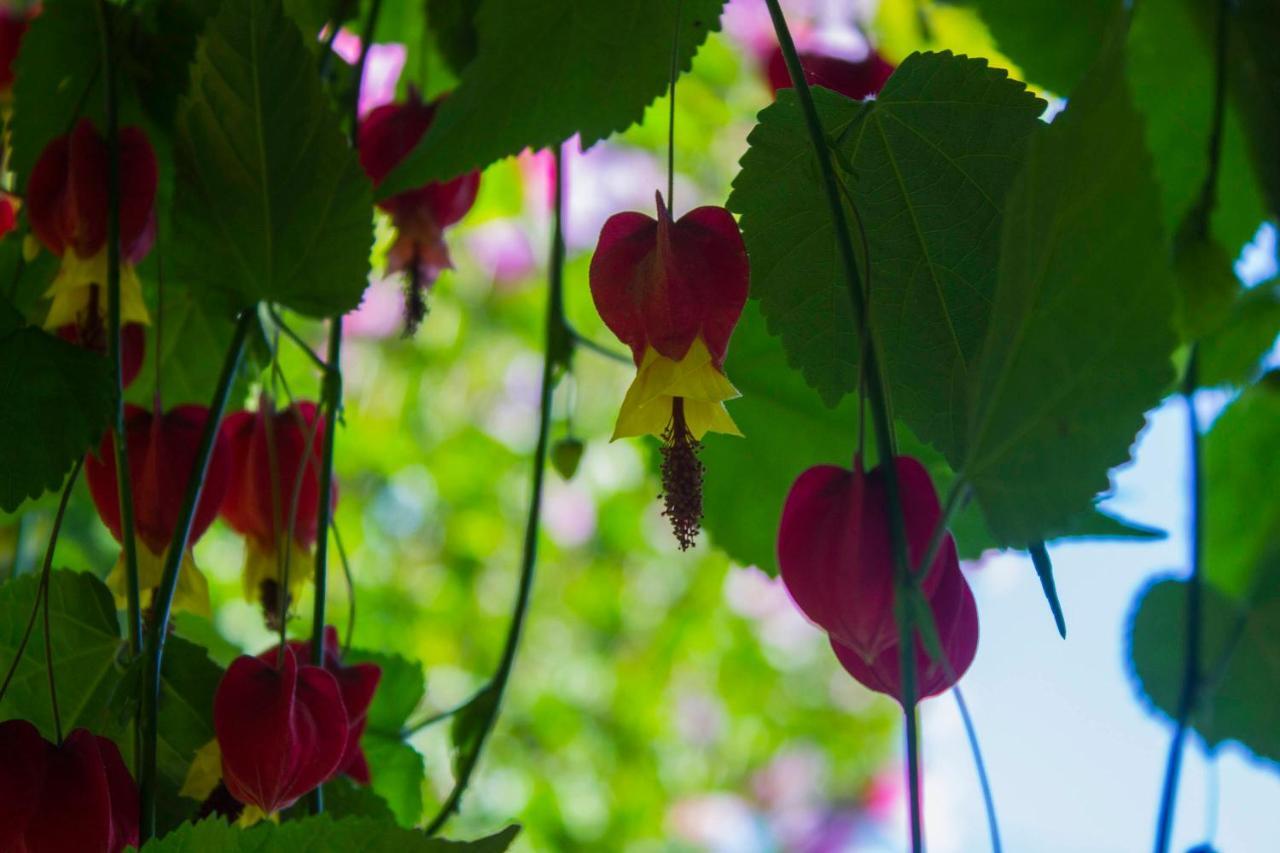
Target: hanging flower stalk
673	291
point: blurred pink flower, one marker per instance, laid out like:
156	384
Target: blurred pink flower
570	514
381	72
502	249
380	314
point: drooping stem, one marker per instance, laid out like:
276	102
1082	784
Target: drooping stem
881	421
671	109
550	362
42	586
159	626
128	538
988	801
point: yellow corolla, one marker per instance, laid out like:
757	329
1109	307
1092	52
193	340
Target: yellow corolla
647	408
73	292
191	594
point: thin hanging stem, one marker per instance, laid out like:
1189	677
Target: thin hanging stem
128	538
292	335
554	323
579	339
351	587
163	605
988	800
48	646
157	395
440	716
881	419
43	585
671	113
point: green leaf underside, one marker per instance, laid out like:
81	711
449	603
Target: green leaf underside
1255	68
1241	659
1080	338
271	203
396	768
931	158
1233	353
453	25
547	69
1053	41
57	405
320	834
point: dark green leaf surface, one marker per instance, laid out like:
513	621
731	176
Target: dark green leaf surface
1241	653
547	69
1053	41
1231	355
396	767
57	404
453	24
1081	335
319	835
928	164
1255	66
271	201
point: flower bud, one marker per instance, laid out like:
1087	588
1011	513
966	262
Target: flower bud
281	729
76	796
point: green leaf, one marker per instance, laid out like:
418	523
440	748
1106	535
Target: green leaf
320	834
453	25
1207	286
1080	338
1232	354
547	69
1242	504
1240	650
57	404
271	201
344	798
931	160
1255	78
56	78
1053	41
400	690
86	648
396	768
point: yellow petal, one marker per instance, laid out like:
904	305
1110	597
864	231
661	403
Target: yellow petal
252	814
204	774
646	409
71	292
191	594
702	417
263	563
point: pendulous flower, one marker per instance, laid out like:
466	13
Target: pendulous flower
58	798
275	456
853	79
673	291
281	729
420	215
162	452
67	207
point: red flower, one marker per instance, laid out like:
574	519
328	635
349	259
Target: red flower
269	451
357	683
162	452
93	336
8	212
67	207
77	796
673	292
281	730
387	135
855	80
956	615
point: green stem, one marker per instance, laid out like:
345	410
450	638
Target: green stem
128	538
427	722
554	327
671	110
881	421
577	339
988	800
158	629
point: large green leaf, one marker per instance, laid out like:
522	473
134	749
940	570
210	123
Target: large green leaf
547	69
395	767
1240	651
1053	41
1080	338
1232	353
271	201
931	160
453	24
86	648
57	404
319	835
1255	67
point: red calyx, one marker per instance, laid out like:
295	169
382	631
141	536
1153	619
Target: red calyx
661	284
77	796
956	615
67	193
253	495
855	80
91	333
836	555
282	729
162	452
357	684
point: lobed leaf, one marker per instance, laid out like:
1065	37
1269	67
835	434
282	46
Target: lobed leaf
320	834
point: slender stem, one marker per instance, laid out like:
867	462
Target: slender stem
128	538
988	800
1191	668
43	585
554	326
671	114
48	646
158	629
881	420
366	39
599	349
289	333
351	587
440	716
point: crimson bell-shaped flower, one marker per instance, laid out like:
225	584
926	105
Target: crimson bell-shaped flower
673	291
956	616
275	458
836	555
357	684
162	452
281	729
67	206
77	796
853	79
420	215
